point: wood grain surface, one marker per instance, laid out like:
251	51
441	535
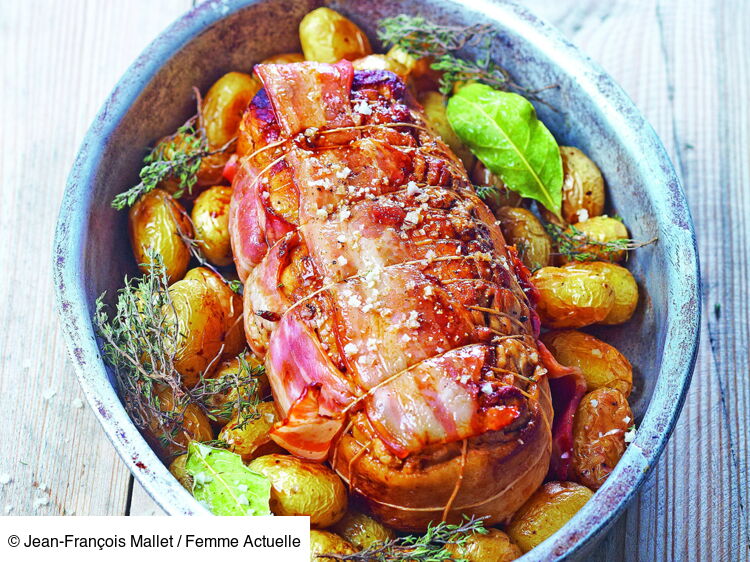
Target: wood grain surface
685	64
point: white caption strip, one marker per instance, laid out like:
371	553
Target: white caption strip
141	539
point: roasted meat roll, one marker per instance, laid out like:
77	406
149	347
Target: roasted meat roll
398	329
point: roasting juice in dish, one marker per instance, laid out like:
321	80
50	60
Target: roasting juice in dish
366	282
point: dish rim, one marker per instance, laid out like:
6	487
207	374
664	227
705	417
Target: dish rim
676	236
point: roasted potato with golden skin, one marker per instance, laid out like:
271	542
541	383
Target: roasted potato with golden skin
573	296
500	196
231	307
521	228
210	217
327	36
230	368
546	511
625	289
284	58
301	487
323	542
198	318
434	112
195	425
495	546
209	173
224	106
250	439
381	62
601	364
600	230
583	186
599	426
362	530
155	222
177	468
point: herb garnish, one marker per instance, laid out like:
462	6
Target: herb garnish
140	341
421	38
430	547
179	157
577	246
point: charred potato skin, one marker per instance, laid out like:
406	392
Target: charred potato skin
327	36
522	229
583	186
601	364
546	511
210	216
155	222
300	487
495	546
362	530
251	439
198	318
224	105
599	426
325	542
573	296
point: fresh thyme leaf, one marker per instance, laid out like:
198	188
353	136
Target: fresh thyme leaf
485	191
430	547
503	131
577	246
223	483
178	157
236	286
422	38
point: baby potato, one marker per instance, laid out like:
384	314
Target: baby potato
599	426
573	296
284	58
210	170
521	228
210	217
546	511
602	230
198	318
362	530
601	364
327	36
231	307
625	288
500	196
224	105
434	110
155	222
195	425
230	369
177	468
495	546
381	62
300	487
250	439
323	542
583	186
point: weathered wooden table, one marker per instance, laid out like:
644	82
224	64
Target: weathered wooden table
686	65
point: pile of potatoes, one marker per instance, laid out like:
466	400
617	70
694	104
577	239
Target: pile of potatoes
573	295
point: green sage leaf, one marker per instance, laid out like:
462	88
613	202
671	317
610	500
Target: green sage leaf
503	131
223	483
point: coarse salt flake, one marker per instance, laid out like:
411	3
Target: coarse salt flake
350	348
487	388
363	108
582	214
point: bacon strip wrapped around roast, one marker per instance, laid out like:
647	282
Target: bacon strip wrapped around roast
398	329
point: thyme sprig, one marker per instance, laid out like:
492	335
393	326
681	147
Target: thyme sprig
178	157
421	38
430	547
140	339
485	192
575	245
